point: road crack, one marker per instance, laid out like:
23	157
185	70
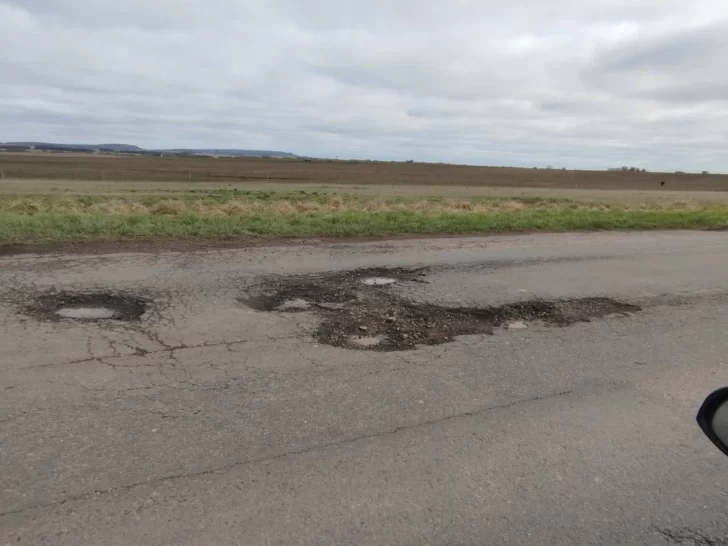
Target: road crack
319	447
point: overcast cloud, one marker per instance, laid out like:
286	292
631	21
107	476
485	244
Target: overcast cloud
578	83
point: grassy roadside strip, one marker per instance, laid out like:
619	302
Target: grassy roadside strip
51	227
225	215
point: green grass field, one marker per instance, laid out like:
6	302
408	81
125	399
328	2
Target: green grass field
184	212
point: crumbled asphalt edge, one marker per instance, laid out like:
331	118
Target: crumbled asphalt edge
127	307
352	310
691	537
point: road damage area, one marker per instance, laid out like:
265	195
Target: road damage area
86	306
361	309
247	396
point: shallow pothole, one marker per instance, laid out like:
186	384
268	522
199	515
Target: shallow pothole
93	306
368	316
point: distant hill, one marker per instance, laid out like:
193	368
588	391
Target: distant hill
131	149
228	152
120	147
73	147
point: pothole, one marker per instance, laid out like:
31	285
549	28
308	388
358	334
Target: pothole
331	291
359	315
87	306
401	325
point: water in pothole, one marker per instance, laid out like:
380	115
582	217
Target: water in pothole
86	313
86	306
378	281
366	341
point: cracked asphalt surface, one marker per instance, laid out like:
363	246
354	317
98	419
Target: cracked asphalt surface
208	422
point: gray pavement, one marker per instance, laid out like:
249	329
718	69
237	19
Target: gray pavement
208	422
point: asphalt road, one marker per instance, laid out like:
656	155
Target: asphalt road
208	422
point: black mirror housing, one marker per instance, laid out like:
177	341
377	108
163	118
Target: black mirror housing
713	419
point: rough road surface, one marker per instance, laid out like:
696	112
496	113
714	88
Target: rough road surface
509	390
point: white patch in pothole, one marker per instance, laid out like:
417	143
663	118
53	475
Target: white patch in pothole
378	281
294	305
366	341
86	313
516	325
332	306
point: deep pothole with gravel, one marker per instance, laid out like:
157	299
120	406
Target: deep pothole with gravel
365	314
87	307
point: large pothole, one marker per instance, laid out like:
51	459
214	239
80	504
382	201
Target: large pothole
332	291
95	306
397	324
371	316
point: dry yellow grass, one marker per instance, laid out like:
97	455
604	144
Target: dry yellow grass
216	215
326	205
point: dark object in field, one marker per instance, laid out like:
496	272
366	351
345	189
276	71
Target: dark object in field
662	183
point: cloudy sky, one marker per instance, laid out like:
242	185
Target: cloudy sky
576	83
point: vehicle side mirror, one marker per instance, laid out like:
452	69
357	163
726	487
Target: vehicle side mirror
713	418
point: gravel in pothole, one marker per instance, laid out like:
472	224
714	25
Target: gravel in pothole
372	316
397	324
87	306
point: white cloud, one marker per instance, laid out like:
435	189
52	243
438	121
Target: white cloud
580	83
